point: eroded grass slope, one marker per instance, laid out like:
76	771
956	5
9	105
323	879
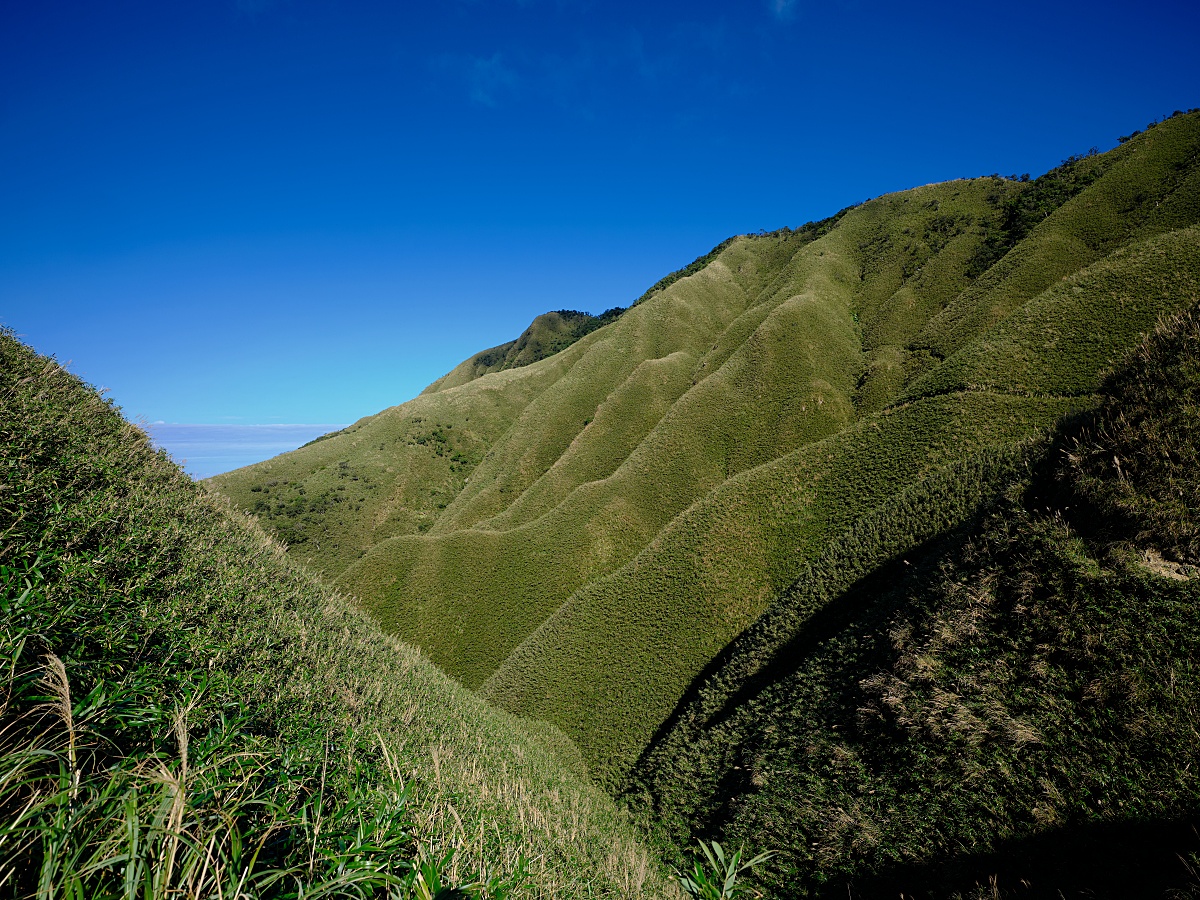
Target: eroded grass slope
610	663
779	374
1003	708
652	486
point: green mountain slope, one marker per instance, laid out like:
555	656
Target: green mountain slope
716	566
221	723
1005	708
582	535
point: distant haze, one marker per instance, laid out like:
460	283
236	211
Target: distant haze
207	450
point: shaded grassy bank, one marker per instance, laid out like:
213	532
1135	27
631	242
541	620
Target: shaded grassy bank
1015	697
231	716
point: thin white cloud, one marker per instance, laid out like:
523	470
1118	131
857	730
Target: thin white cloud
489	78
255	7
207	450
783	10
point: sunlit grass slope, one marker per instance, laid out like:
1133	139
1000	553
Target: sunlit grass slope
1005	708
223	724
581	535
610	663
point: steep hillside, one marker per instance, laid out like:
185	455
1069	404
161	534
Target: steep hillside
580	537
184	711
1009	706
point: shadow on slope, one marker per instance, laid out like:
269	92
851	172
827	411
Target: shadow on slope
1106	860
1022	684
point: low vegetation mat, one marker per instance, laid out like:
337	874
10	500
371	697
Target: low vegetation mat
580	536
864	550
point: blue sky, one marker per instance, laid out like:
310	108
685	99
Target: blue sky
304	211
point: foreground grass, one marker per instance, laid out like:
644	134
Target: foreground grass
158	781
185	711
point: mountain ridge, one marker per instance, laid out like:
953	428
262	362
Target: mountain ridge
585	537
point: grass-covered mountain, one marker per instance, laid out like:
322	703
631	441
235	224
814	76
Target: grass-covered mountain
579	537
819	546
185	712
546	335
1011	703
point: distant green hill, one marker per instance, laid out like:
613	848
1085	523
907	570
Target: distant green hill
590	538
546	335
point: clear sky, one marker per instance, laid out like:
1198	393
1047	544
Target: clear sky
303	211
